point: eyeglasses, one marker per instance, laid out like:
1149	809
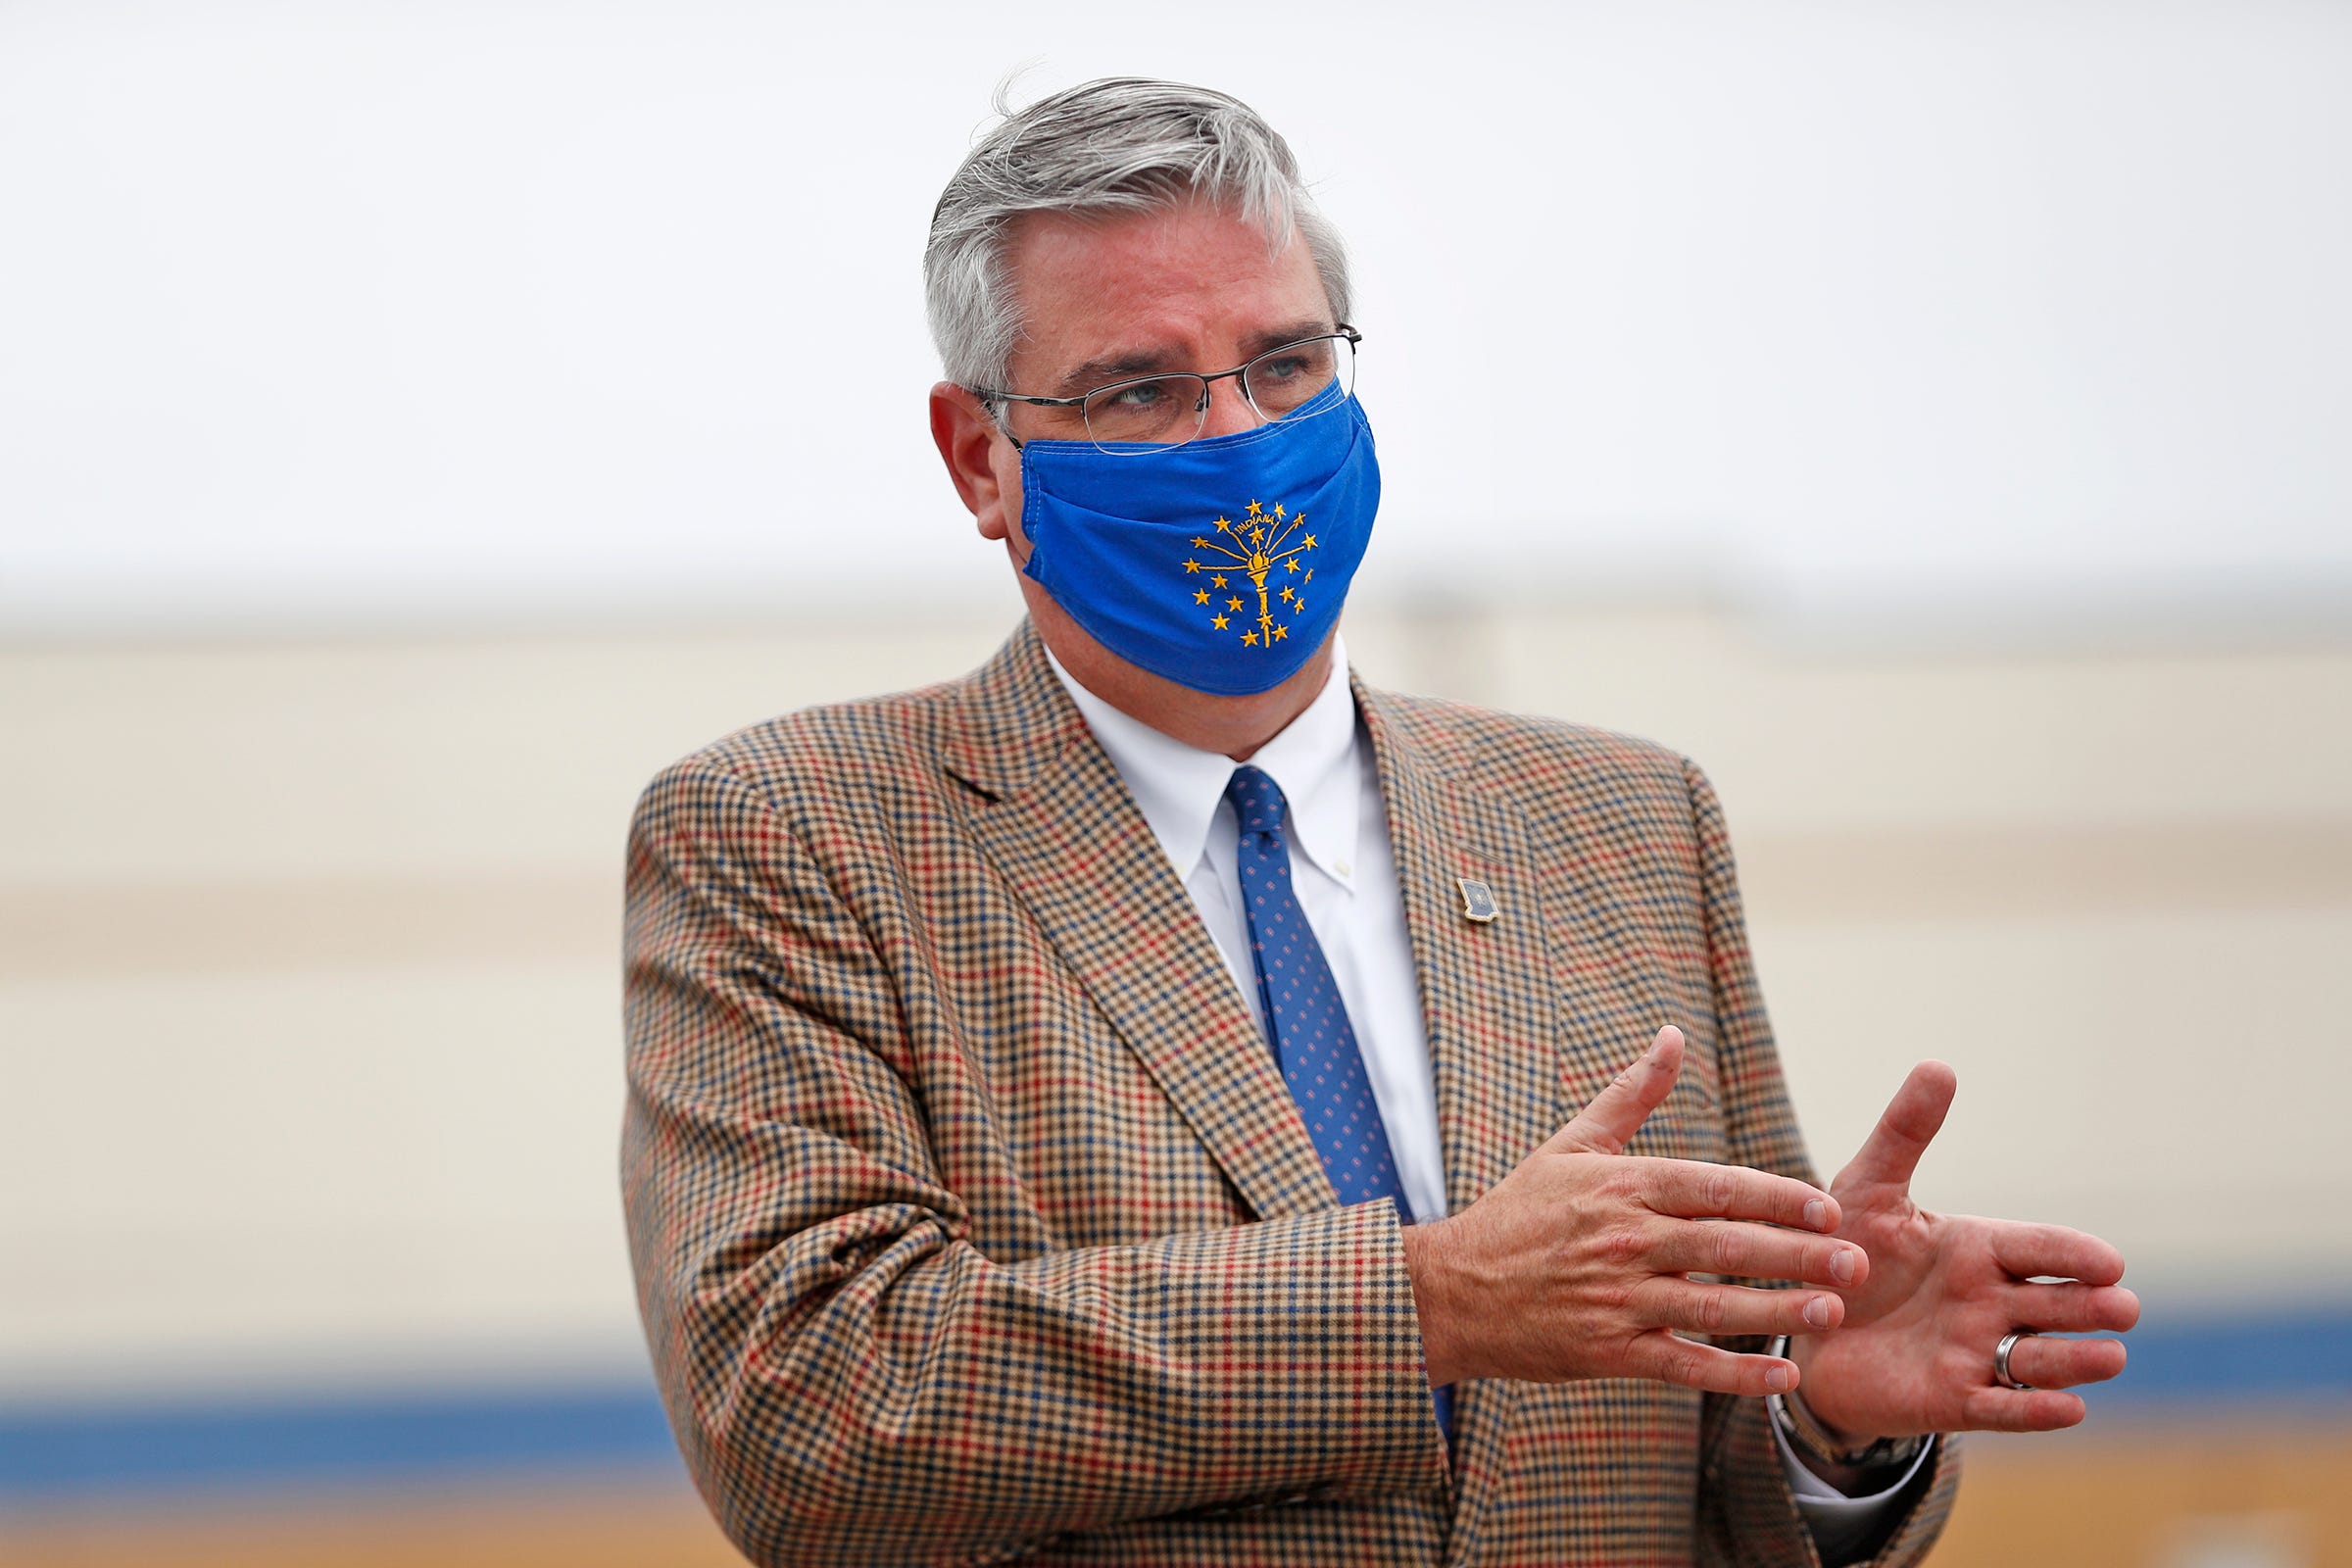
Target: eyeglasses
1152	412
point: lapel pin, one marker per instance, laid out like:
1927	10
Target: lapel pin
1478	901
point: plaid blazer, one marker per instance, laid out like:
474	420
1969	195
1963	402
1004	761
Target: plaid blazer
972	1220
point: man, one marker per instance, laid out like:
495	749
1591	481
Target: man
1155	1100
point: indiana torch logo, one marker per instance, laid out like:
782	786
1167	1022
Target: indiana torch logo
1254	548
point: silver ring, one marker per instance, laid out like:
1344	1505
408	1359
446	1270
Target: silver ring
2000	1359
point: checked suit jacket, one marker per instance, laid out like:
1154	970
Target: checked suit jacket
971	1218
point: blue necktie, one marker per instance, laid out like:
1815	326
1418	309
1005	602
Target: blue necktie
1307	1021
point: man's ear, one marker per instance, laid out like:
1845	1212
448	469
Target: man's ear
966	438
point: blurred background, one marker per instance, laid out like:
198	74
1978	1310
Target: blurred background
419	423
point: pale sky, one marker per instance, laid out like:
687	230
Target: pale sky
355	314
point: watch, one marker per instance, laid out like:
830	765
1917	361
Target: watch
1806	1435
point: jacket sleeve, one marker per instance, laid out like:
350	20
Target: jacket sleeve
849	1378
1747	1515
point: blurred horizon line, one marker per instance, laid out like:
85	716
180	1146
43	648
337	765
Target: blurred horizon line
2204	612
2272	1363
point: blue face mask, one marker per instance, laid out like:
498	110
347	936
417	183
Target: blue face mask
1220	564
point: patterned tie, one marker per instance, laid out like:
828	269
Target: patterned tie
1306	1019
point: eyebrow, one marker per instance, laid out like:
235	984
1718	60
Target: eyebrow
1105	369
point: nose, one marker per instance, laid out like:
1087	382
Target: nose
1228	411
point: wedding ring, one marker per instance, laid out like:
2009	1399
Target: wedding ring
2000	1359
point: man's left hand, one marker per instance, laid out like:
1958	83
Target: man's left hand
1915	1351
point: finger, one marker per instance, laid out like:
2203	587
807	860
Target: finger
1696	1190
1668	1302
2047	1363
1908	1125
2073	1308
2056	1251
1999	1410
1758	1253
1608	1123
1664	1359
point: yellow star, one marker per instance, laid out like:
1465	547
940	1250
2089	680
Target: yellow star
1280	632
1254	509
1278	509
1233	603
1192	566
1219	622
1250	638
1202	597
1310	575
1258	536
1311	542
1223	526
1199	544
1293	562
1298	605
1286	593
1218	581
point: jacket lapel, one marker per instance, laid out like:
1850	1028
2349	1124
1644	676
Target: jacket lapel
1491	1019
1059	822
1486	997
1528	1015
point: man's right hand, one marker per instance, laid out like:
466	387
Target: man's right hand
1577	1263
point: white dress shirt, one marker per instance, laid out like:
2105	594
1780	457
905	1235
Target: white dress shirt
1345	874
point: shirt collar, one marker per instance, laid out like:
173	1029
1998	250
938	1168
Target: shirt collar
1179	787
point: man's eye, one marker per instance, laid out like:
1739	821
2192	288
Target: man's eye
1284	368
1140	395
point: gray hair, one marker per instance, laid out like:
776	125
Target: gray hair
1122	144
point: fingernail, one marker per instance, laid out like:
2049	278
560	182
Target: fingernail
1817	1311
1841	1265
1817	1212
1776	1380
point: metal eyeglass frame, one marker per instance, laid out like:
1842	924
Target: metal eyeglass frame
1344	332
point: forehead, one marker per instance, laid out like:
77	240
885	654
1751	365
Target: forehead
1192	282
